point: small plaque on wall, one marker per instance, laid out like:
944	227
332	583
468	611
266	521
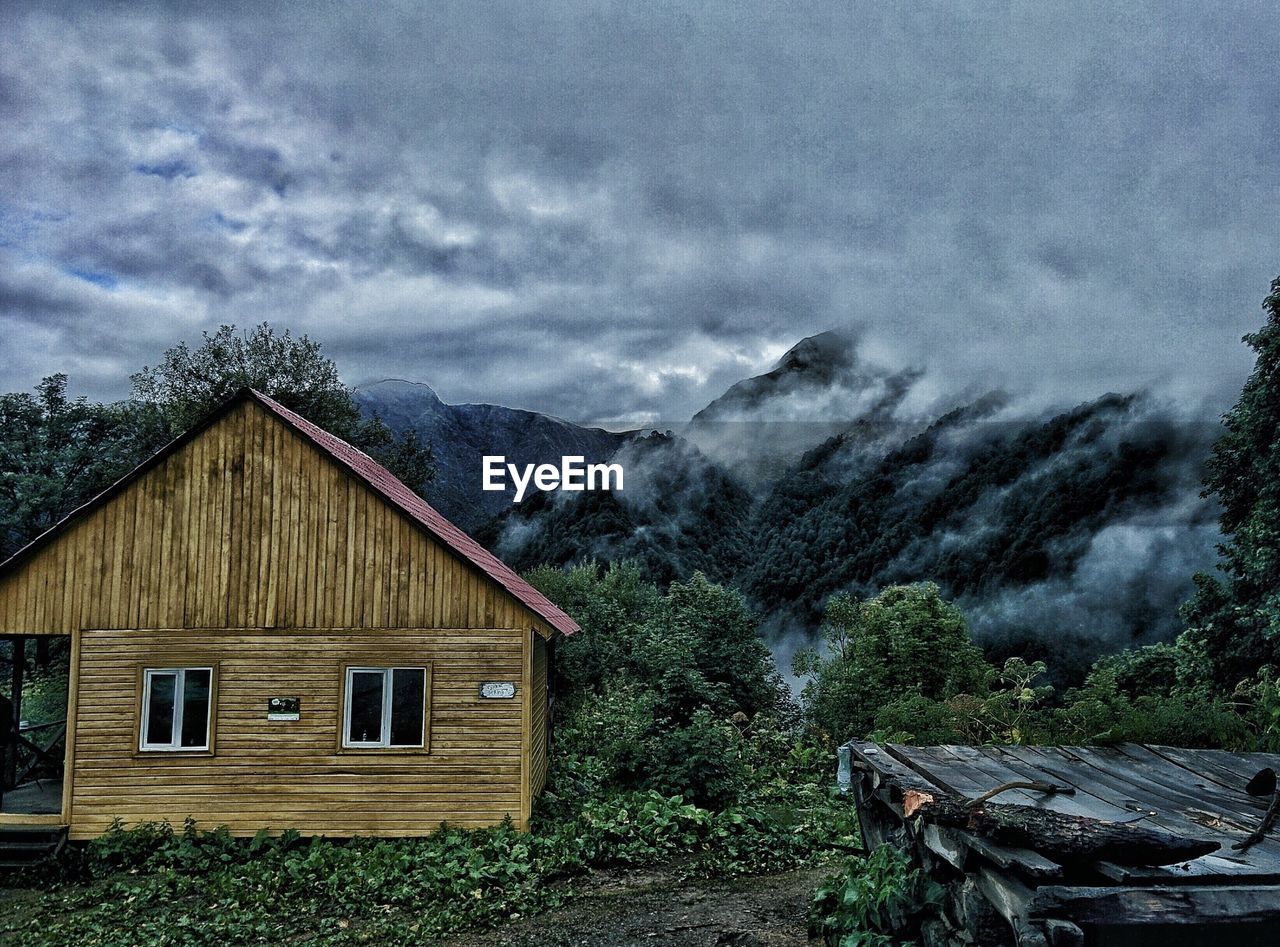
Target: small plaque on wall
284	708
498	690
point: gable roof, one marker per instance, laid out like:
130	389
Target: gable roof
369	472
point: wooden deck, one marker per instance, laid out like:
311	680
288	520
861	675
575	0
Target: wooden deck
37	797
1196	794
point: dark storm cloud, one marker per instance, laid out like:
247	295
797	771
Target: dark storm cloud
614	212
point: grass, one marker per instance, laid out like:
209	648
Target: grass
154	885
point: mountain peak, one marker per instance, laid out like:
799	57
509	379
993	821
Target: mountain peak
823	353
400	386
808	370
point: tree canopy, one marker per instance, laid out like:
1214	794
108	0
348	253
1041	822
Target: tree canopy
906	640
57	452
1235	617
189	382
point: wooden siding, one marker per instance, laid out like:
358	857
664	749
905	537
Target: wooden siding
250	526
538	697
292	774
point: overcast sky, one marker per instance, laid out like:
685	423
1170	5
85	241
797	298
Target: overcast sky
613	211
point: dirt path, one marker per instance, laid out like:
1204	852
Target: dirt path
621	910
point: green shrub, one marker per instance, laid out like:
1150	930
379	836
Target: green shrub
874	901
152	885
622	743
906	640
915	718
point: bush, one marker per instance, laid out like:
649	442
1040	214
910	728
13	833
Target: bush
621	742
917	719
874	901
695	647
906	640
151	885
611	606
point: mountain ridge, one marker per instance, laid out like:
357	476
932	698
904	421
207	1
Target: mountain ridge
1077	529
460	435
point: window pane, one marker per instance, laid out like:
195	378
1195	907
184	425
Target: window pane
160	709
195	708
365	725
407	689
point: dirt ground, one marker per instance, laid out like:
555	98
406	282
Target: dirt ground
621	910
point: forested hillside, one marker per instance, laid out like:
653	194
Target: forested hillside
679	514
1081	526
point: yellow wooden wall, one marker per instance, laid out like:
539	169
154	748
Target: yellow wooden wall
250	547
250	526
538	711
291	774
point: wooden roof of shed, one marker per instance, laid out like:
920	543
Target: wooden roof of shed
1191	793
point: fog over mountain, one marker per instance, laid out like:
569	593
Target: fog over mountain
818	389
1064	532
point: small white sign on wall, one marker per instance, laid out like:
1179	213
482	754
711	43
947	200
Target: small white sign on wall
498	690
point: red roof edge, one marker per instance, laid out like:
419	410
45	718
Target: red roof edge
386	485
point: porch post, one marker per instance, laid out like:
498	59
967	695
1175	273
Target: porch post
10	761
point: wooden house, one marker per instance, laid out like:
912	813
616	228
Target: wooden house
268	630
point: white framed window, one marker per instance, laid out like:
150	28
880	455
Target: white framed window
385	707
176	705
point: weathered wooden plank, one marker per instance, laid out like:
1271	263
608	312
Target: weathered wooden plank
1154	789
1048	763
1234	904
986	770
1223	767
1215	804
890	776
1024	861
1012	900
1160	811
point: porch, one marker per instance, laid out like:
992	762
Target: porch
33	721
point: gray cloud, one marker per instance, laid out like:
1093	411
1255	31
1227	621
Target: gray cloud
612	213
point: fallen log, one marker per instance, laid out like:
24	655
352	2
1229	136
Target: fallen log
1064	838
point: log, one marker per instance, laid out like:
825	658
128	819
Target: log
1069	839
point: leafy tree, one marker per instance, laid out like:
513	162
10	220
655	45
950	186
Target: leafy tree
906	640
611	605
57	452
696	647
189	383
658	689
1235	618
704	650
